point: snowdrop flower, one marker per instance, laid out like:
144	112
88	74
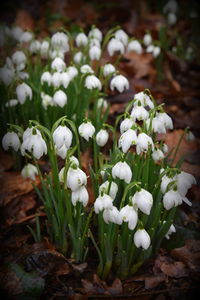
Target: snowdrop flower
165	148
171	18
80	195
102	103
142	239
74	161
147	39
29	171
62	135
113	188
6	75
126	124
143	200
59	40
108	69
72	72
170	6
190	136
103	202
11	103
46	100
129	215
60	98
56	53
134	46
76	178
122	171
96	34
156	51
62	151
58	64
94	53
11	140
122	36
120	83
156	124
81	39
157	155
165	119
46	77
112	215
28	132
127	139
19	59
65	79
86	69
78	57
114	45
143	143
23	92
150	49
44	49
171	198
34	143
165	181
26	37
184	182
92	82
56	79
35	46
86	130
102	137
139	113
171	230
16	33
143	99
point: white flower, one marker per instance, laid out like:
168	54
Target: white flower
190	136
78	57
16	33
35	46
62	151
60	98
126	124
184	182
144	201
72	72
102	103
170	6
11	103
86	69
147	39
156	124
156	51
171	18
34	143
11	139
143	143
62	135
150	49
74	161
127	139
56	79
134	46
81	39
114	45
76	178
171	199
92	82
58	64
80	195
44	49
165	119
113	188
23	92
165	181
46	77
112	215
122	36
143	99
26	37
86	130
96	34
65	79
29	171
122	171
28	132
56	53
108	69
128	214
171	230
19	59
165	148
157	155
94	42
139	113
94	53
6	75
142	239
120	83
103	202
102	137
46	100
60	41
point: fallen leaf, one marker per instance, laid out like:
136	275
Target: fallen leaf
153	281
177	269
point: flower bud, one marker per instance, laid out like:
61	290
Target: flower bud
108	69
95	53
147	39
157	155
81	39
60	98
29	171
135	46
102	137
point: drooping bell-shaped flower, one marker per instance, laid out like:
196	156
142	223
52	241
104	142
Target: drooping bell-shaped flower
102	137
122	171
120	83
86	69
126	124
23	92
60	98
147	39
157	155
76	178
11	140
80	195
94	53
143	200
139	113
29	171
108	69
46	77
122	36
171	199
134	46
143	99
62	135
81	39
127	139
112	215
34	143
103	202
92	82
86	130
129	215
96	34
171	230
58	64
59	41
104	188
143	143
56	79
142	239
114	45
